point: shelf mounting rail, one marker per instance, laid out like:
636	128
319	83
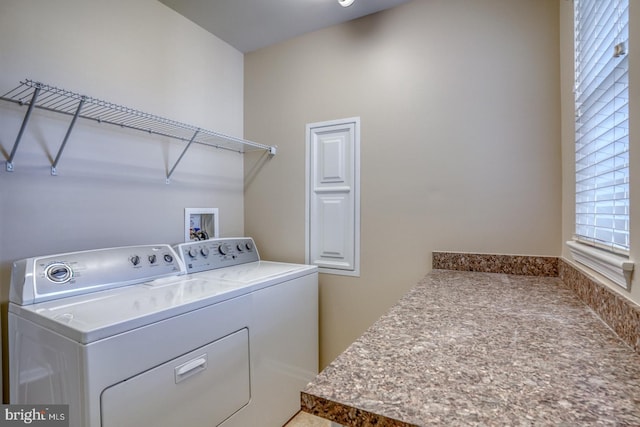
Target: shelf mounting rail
50	98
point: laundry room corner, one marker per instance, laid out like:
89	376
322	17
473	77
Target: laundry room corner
452	156
111	185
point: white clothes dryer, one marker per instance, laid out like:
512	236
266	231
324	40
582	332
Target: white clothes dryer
122	338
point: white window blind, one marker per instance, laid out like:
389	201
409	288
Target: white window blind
602	123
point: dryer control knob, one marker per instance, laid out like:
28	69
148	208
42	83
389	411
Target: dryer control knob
204	252
168	258
152	259
249	246
193	252
240	247
135	260
59	273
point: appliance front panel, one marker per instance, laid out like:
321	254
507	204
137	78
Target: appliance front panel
201	388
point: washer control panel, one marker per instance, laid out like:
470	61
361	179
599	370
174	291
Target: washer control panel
58	276
211	254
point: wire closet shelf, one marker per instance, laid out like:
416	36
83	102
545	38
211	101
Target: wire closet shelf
50	98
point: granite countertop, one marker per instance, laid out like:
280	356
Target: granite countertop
469	348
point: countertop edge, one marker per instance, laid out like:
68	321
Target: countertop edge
345	414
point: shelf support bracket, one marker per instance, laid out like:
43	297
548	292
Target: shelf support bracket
32	104
54	171
181	156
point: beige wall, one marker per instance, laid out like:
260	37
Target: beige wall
111	187
568	146
460	114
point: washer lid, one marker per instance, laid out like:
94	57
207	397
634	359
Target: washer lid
91	317
257	275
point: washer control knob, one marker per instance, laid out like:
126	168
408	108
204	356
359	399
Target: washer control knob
240	247
223	249
193	252
168	258
135	260
249	246
152	259
204	252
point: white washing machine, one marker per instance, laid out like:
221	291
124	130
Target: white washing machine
283	330
126	339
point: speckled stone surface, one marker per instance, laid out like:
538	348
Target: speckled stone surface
471	349
622	315
492	263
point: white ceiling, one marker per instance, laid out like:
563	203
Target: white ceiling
248	25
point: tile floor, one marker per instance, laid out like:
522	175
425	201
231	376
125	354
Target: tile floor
302	419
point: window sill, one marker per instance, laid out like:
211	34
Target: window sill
616	268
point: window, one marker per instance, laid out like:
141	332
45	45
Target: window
602	123
602	138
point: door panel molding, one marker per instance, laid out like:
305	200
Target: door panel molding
333	196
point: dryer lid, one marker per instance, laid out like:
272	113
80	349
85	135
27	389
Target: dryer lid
90	317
